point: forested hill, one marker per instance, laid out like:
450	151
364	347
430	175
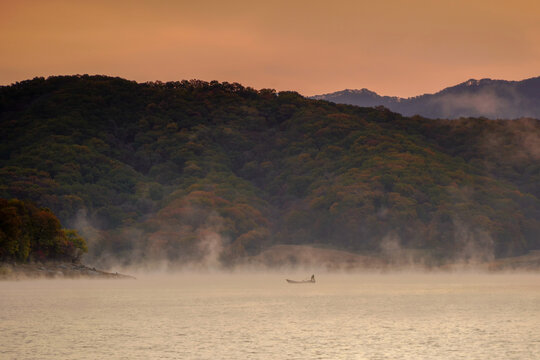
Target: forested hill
216	171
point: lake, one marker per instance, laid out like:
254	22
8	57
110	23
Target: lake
258	315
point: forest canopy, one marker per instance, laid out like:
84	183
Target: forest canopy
187	170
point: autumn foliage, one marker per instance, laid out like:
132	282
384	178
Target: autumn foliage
154	169
31	233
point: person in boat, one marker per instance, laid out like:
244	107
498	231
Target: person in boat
313	277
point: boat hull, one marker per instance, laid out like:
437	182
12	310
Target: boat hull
300	282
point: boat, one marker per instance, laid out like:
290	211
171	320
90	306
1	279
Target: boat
300	282
310	281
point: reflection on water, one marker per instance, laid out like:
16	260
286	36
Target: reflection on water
260	316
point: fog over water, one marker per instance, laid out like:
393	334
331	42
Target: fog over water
257	315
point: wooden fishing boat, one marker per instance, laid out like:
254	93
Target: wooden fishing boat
310	281
300	282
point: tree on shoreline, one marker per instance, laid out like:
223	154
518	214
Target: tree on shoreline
31	233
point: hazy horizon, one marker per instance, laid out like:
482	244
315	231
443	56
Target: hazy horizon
390	47
263	87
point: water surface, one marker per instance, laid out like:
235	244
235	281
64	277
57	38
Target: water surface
260	316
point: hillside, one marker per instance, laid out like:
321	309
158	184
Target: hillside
493	99
210	172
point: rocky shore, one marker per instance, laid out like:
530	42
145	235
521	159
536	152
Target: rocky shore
54	270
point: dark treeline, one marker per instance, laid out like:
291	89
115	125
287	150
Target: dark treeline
166	170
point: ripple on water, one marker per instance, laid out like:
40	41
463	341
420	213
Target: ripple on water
261	317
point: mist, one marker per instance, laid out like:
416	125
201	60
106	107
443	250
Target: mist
492	99
210	175
485	103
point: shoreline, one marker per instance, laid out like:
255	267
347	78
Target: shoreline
54	270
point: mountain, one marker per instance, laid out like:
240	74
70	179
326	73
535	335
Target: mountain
494	99
209	172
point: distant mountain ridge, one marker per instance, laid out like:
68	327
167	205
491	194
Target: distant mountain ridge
493	99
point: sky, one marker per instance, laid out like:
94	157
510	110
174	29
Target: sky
393	47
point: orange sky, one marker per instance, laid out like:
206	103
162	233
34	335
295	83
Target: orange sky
403	48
